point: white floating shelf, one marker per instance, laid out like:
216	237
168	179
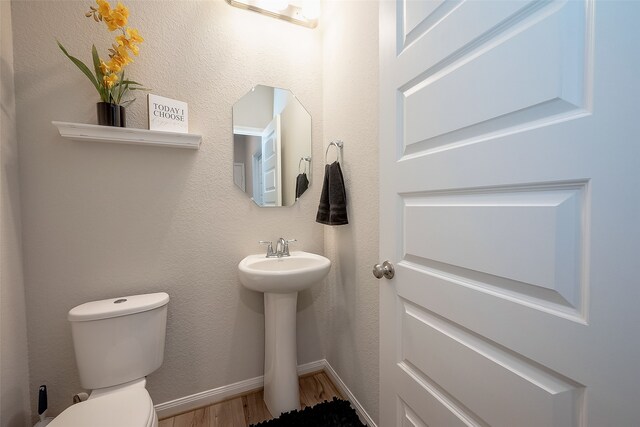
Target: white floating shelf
96	133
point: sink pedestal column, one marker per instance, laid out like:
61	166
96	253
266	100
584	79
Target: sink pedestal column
281	392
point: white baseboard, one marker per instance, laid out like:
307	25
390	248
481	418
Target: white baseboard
213	396
310	367
362	413
208	397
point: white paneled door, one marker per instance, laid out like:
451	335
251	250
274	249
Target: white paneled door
510	188
271	169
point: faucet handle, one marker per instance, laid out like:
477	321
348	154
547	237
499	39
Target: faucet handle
285	250
269	244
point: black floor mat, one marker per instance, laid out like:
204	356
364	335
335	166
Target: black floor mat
337	413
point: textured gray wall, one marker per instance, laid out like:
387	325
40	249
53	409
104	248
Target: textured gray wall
351	114
102	220
14	374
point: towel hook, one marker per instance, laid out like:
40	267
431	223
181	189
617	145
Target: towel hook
338	144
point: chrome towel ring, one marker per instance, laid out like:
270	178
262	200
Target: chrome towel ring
338	144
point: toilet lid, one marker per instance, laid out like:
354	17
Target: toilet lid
125	408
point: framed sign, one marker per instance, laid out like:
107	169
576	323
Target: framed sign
168	115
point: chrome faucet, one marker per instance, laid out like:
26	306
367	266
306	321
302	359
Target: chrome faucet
282	247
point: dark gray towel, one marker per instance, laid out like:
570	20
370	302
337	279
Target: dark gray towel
302	183
333	200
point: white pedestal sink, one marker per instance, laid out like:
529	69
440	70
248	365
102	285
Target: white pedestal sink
280	279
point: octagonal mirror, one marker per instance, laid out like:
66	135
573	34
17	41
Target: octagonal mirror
271	146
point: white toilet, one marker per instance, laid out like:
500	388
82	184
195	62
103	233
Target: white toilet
117	343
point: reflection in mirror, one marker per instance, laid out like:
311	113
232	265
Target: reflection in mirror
271	146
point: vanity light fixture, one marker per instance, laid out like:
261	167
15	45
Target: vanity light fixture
301	12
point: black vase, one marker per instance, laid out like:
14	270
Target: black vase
123	117
108	114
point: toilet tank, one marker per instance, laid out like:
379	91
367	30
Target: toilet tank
119	340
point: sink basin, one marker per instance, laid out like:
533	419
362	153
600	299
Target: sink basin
283	275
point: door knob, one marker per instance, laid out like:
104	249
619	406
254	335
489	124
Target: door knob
386	270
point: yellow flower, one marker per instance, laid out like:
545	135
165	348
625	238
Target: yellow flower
116	20
104	8
116	17
111	24
122	40
129	44
122	10
134	48
122	53
115	64
104	67
119	16
110	80
134	36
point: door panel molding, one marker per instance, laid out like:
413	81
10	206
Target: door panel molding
545	398
546	44
527	244
432	402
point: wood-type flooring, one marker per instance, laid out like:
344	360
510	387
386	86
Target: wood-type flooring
248	409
